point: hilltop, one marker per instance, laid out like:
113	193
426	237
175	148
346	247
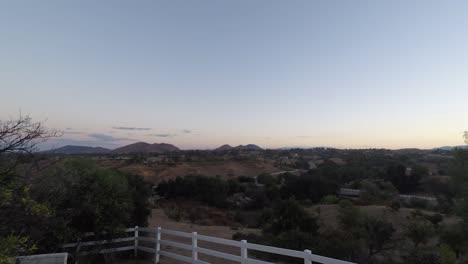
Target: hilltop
240	147
143	147
71	149
140	147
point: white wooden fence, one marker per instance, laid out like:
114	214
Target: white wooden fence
157	241
54	258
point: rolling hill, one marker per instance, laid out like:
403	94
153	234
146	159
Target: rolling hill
240	147
143	147
71	149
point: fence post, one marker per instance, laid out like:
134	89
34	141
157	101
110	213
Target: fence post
194	247
158	245
135	252
244	255
78	251
307	256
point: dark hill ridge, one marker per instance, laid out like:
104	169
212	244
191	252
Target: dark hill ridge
224	147
140	147
240	147
70	149
143	147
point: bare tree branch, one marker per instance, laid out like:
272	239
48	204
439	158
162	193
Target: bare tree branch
21	136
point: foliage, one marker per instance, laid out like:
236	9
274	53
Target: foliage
211	190
86	198
452	235
18	211
377	191
397	175
370	235
11	246
330	199
422	257
266	179
311	186
447	255
419	230
289	215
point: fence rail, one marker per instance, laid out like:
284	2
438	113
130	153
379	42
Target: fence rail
243	246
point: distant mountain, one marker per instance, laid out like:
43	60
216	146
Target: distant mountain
240	147
452	147
224	147
143	147
70	149
249	147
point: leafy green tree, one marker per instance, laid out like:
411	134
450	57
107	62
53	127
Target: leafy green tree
452	235
289	215
447	255
19	213
266	179
397	175
349	217
289	225
417	256
372	235
312	185
87	198
377	235
419	231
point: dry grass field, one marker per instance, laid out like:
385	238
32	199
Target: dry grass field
156	173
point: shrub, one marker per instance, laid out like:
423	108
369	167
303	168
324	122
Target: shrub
330	199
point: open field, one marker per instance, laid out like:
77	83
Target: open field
156	173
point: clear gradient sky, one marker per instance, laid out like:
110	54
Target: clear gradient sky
199	74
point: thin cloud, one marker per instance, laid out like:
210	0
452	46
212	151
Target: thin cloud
72	132
106	138
164	135
131	128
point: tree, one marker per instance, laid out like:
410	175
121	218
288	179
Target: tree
311	186
289	215
377	235
266	179
419	231
289	225
397	175
18	139
86	198
349	216
374	234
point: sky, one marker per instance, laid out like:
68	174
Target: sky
199	74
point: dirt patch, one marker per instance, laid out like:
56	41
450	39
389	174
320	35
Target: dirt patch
159	219
156	173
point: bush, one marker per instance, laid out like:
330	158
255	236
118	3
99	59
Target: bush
395	205
245	179
418	203
86	198
210	190
307	186
377	191
266	179
330	199
173	212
